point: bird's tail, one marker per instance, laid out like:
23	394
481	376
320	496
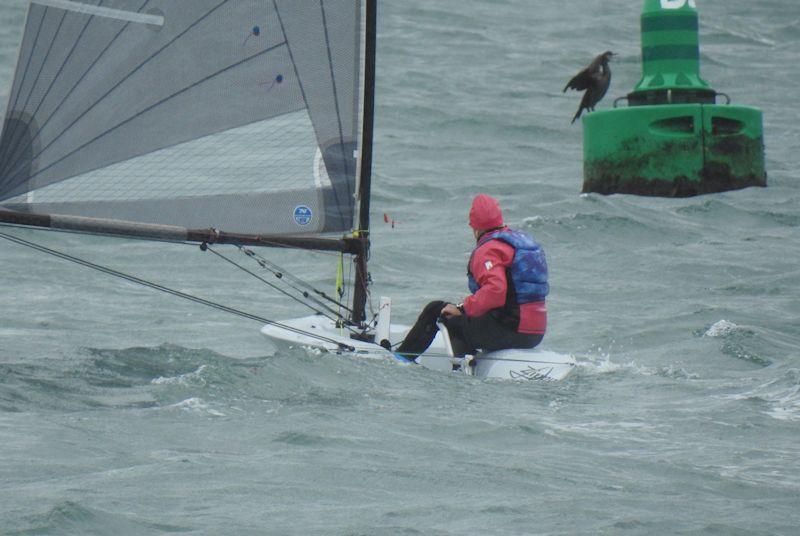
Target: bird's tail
577	115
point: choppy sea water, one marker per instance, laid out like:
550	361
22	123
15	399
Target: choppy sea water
127	412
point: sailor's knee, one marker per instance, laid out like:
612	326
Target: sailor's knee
436	305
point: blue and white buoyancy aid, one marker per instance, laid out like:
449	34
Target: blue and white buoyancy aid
528	271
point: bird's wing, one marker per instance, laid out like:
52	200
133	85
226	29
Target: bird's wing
581	81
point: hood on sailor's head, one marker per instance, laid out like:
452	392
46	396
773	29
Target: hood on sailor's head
485	213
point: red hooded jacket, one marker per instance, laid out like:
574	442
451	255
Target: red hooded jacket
488	267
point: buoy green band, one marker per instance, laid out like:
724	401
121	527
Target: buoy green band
671	52
683	22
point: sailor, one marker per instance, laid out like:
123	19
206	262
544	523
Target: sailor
507	276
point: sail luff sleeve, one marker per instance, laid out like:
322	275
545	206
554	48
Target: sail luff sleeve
360	294
365	177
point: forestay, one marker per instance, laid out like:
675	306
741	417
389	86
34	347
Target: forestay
239	115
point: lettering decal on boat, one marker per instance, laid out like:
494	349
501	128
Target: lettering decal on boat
677	4
531	373
303	215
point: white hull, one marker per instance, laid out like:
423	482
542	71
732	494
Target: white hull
536	364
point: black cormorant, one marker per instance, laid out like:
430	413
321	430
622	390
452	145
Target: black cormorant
595	79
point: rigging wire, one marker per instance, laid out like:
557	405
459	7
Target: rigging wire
279	272
215	305
282	274
167	290
338	317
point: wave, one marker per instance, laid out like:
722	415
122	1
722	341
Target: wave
726	212
196	405
309	439
704	207
141	377
781	396
737	341
49	385
595	222
604	366
70	517
779	218
189	378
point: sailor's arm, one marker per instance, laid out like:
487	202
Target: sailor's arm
489	270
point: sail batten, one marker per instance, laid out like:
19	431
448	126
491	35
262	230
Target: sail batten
106	95
146	110
116	103
38	126
117	14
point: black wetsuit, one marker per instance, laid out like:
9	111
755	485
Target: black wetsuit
467	334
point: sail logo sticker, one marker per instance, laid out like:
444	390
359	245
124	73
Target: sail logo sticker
303	215
677	4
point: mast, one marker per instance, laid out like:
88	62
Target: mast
364	185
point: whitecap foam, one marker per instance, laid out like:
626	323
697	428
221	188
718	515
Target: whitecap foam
721	328
601	363
192	378
196	405
314	350
606	366
786	413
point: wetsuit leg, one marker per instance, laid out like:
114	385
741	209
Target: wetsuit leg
423	332
455	328
488	334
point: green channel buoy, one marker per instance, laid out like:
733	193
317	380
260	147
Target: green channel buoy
673	139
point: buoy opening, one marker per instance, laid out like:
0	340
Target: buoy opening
674	125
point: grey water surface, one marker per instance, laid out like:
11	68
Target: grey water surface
124	411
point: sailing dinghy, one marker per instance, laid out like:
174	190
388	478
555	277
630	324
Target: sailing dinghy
243	122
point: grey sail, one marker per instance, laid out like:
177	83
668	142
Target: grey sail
240	115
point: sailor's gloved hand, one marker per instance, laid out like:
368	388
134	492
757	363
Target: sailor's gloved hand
450	310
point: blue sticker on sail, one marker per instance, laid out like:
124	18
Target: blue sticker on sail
303	215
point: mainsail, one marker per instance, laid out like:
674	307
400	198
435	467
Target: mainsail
229	121
238	115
